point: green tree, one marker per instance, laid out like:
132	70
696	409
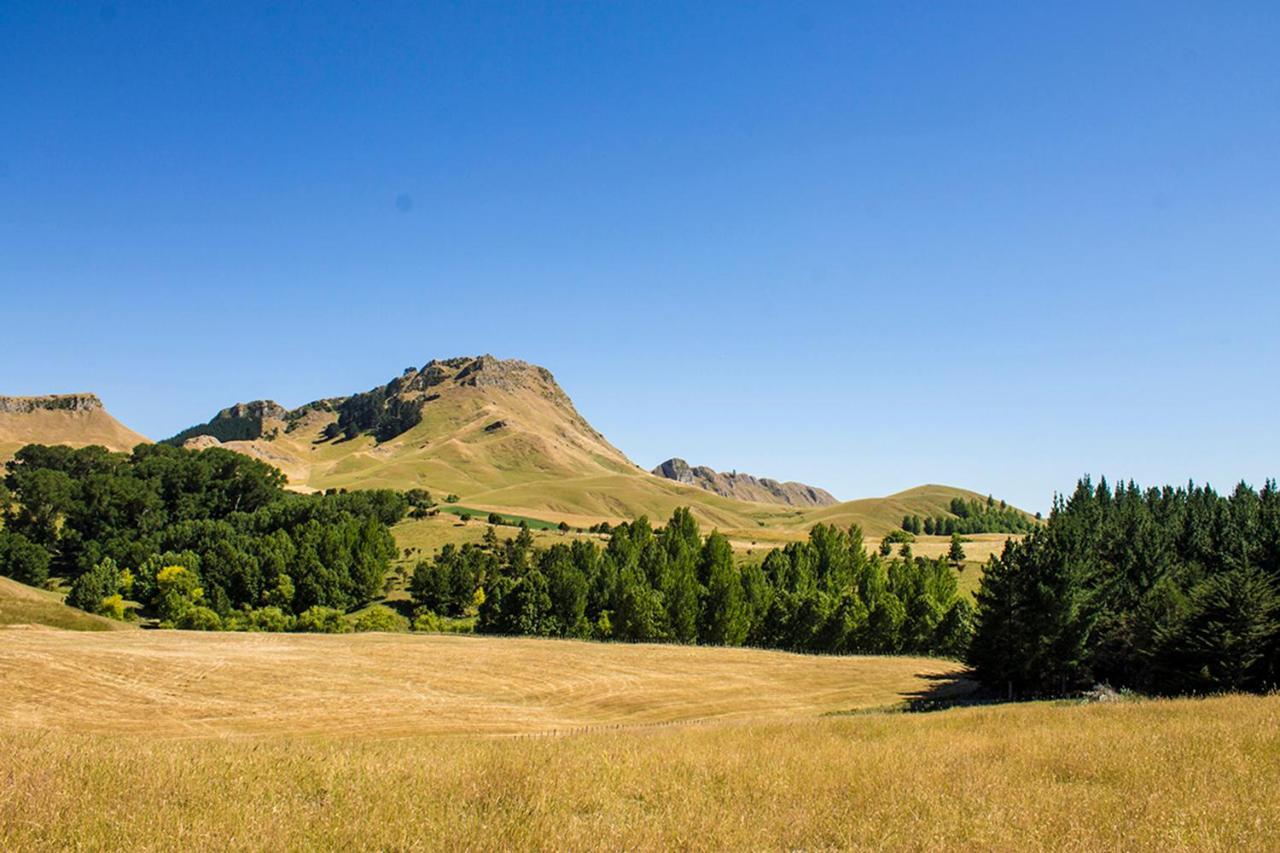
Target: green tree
724	613
22	559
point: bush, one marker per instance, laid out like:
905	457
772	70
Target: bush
322	620
451	499
270	619
198	618
496	518
381	619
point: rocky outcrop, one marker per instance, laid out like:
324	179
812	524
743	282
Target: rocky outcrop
241	422
50	403
744	487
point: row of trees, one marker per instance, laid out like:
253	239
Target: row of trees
1170	590
675	585
971	516
114	523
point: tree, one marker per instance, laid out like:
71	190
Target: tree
22	559
724	613
95	585
1226	638
956	552
496	518
177	591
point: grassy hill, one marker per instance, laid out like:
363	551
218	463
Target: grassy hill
78	420
25	605
504	436
210	742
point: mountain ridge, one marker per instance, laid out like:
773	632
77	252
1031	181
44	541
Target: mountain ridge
743	486
501	435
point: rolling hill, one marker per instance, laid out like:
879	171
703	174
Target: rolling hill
503	435
78	420
25	605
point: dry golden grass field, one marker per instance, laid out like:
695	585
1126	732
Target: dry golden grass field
180	684
174	741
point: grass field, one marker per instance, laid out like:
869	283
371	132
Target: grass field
205	742
180	684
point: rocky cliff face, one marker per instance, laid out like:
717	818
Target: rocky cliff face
50	403
744	487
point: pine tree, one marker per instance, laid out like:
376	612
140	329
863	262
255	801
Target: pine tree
724	612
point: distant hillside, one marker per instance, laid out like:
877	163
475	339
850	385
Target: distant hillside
78	420
503	435
744	487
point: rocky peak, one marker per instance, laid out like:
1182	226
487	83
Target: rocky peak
744	486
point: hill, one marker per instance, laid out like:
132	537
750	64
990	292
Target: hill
744	487
78	420
25	605
504	436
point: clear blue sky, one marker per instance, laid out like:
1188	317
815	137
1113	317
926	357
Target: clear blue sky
863	245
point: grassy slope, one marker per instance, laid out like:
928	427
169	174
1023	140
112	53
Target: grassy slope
346	752
25	605
77	429
546	463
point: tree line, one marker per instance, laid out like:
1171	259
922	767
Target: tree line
674	584
1168	590
195	537
971	516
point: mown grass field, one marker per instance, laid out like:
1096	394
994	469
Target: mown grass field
180	684
176	747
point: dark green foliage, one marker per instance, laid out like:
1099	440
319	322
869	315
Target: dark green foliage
1164	590
22	559
974	516
381	412
94	585
222	515
674	585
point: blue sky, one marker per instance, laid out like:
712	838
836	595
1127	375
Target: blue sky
863	245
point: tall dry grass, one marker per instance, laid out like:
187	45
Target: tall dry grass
1149	775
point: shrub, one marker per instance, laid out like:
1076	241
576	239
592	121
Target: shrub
271	619
382	619
451	498
496	518
322	620
197	618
